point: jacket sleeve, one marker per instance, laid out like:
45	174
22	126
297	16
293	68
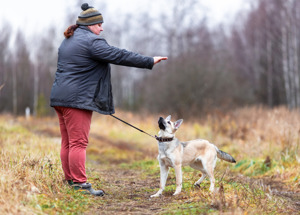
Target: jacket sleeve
102	51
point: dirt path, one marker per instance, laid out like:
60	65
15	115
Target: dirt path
130	189
128	193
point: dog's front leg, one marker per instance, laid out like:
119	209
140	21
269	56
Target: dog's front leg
178	174
164	171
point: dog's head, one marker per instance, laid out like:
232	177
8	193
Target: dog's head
167	127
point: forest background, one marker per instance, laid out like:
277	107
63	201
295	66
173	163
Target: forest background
251	61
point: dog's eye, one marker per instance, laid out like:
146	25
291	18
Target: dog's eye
169	123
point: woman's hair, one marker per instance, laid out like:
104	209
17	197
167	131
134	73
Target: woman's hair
70	31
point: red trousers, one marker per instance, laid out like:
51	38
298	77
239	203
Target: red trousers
74	129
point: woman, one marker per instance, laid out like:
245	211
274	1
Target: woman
82	85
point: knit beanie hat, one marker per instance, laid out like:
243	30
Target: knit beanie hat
89	16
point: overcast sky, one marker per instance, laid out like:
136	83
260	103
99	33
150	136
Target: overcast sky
31	16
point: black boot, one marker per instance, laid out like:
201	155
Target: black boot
68	182
86	188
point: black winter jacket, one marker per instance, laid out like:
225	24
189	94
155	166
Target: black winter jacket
83	78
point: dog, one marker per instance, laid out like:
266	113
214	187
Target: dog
198	154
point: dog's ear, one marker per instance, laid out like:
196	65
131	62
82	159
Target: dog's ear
178	123
168	118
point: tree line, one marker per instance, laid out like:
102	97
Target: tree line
254	60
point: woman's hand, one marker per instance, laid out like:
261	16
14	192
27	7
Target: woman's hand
158	59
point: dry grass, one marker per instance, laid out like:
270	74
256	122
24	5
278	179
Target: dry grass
26	161
122	161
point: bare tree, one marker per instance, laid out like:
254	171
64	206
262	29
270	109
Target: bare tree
22	76
44	70
5	76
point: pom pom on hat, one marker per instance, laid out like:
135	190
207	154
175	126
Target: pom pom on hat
85	6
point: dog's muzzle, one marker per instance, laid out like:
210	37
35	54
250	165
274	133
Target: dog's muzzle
161	123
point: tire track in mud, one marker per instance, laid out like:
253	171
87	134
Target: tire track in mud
128	192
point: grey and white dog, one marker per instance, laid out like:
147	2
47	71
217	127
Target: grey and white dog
198	154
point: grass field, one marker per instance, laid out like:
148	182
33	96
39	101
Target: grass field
122	161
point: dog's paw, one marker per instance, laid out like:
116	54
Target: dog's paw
155	195
197	185
176	193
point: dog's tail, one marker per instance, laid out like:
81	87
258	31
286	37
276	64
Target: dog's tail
224	156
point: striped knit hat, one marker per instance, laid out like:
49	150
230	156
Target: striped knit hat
89	16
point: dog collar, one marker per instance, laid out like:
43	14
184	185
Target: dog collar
161	139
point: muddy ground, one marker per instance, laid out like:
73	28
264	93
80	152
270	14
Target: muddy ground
128	189
128	192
